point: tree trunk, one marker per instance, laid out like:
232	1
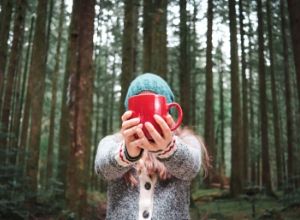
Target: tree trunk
276	127
266	171
54	97
194	70
70	68
80	106
5	17
244	94
184	75
128	48
105	98
155	37
209	132
24	105
36	87
112	95
14	59
222	164
288	96
236	183
252	128
294	15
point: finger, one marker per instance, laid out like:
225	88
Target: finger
142	136
130	123
130	132
126	115
154	133
136	143
167	134
170	121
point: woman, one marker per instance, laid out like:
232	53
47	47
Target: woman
149	179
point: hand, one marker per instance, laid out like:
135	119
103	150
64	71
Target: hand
129	131
160	142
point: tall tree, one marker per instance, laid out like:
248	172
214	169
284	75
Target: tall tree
194	69
221	71
36	87
288	95
236	182
266	171
128	48
5	19
80	105
155	37
294	15
24	105
276	125
64	137
209	102
184	75
55	75
244	92
13	64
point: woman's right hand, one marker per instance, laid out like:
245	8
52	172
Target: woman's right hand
128	131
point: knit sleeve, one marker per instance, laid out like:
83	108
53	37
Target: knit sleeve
185	162
109	161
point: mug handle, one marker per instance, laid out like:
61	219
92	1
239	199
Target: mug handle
180	114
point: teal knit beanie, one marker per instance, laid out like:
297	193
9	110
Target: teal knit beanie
149	82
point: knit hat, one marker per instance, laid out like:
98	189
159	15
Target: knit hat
149	82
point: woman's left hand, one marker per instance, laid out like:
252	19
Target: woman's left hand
160	142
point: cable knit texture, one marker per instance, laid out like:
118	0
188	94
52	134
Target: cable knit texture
149	82
171	197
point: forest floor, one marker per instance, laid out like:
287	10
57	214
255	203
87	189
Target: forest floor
215	204
209	204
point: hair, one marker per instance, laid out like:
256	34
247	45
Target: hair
154	166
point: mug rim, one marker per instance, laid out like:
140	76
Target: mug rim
147	94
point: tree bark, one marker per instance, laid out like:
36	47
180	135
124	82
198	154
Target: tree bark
294	15
14	59
209	132
244	94
24	105
70	68
36	88
184	75
221	71
288	96
155	37
236	183
80	106
54	96
5	17
128	49
276	126
266	171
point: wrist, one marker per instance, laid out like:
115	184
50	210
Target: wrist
135	157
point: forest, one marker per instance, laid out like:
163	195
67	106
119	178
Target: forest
65	67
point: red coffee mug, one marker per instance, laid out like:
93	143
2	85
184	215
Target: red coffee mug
144	106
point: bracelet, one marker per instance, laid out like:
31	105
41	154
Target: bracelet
130	158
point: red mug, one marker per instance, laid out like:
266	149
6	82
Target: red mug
144	106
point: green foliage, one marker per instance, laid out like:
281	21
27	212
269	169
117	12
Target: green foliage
216	204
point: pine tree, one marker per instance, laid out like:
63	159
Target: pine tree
36	87
266	171
236	183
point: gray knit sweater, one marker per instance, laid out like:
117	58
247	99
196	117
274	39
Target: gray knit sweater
170	198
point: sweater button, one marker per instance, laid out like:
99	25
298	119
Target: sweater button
147	185
145	214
